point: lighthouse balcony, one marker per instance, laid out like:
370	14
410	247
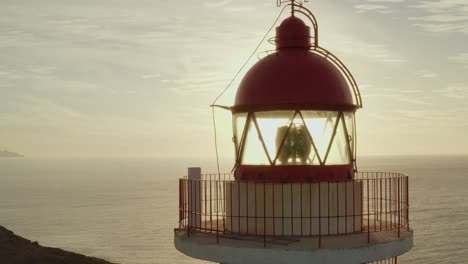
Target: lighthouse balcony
369	212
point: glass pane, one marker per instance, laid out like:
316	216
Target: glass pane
339	151
272	126
239	124
297	148
254	154
320	125
349	118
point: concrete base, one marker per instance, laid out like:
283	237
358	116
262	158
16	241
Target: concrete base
352	249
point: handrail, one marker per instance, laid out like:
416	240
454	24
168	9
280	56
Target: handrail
217	204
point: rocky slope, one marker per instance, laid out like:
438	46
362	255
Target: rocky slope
17	250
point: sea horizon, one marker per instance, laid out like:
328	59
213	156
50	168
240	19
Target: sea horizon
125	210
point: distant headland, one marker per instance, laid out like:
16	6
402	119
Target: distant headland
9	154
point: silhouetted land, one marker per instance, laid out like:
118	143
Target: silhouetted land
8	154
17	250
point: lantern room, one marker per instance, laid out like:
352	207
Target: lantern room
294	112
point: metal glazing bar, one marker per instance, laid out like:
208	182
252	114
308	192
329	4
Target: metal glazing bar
260	137
234	138
284	138
243	139
311	140
348	143
338	119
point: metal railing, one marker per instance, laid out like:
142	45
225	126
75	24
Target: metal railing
217	204
393	260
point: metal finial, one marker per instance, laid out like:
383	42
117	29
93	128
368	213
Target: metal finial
292	3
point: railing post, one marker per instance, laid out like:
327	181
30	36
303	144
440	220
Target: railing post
407	204
264	216
399	205
195	200
217	209
180	203
368	212
320	214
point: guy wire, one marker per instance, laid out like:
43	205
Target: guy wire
232	80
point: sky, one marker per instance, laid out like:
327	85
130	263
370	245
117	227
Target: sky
121	78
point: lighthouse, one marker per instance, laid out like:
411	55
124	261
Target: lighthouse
296	194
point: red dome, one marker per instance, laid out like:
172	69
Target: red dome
294	77
292	33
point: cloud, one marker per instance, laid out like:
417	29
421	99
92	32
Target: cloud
454	91
240	9
42	72
413	101
363	49
151	76
10	75
447	16
386	1
363	8
427	74
443	16
377	6
461	58
193	84
212	4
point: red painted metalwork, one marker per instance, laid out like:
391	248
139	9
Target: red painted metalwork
370	216
294	78
300	75
292	33
295	173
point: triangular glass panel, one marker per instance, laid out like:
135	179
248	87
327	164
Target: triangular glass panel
297	147
254	153
339	151
349	119
320	125
273	125
239	125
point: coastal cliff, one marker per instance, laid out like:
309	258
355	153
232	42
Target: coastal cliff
17	250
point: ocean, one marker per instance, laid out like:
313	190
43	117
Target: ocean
125	210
